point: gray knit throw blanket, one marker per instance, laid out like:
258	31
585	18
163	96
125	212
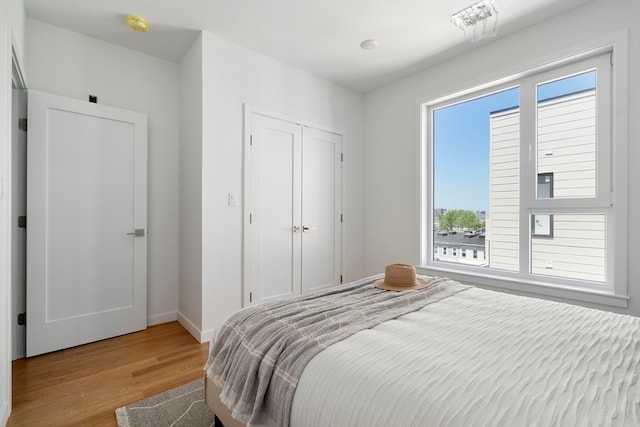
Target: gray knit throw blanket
261	351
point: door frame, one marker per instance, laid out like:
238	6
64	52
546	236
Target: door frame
10	74
249	110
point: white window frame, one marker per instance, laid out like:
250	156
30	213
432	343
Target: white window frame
528	164
612	182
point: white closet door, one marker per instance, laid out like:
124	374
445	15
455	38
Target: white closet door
86	194
321	208
293	208
274	207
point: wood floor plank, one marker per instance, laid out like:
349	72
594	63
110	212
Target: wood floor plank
84	385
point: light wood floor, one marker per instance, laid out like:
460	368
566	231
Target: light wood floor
83	386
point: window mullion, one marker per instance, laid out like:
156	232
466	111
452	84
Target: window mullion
527	170
605	136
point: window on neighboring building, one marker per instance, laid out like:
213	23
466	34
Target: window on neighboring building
435	250
542	225
455	251
536	149
463	253
444	250
545	186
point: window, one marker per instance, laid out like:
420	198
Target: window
455	251
444	250
542	225
545	185
435	250
537	165
463	253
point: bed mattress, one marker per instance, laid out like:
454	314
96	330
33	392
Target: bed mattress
479	358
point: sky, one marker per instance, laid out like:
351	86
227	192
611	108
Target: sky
461	143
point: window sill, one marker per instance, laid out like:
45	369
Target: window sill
529	287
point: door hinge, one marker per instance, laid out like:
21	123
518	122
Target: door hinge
22	319
342	157
22	222
341	278
22	124
341	218
250	218
250	296
251	140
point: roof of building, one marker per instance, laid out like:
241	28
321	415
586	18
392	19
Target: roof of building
459	239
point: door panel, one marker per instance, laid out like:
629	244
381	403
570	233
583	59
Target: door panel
321	207
19	235
293	201
275	208
86	275
89	205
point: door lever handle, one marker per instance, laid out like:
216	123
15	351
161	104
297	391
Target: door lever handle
306	228
138	232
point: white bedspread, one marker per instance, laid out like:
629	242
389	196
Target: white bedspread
479	358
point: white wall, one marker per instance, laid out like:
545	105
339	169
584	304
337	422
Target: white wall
16	18
232	76
69	64
392	125
190	278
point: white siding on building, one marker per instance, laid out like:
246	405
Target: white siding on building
567	144
566	147
468	258
502	219
576	250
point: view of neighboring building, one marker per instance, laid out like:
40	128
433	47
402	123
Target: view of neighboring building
504	184
565	245
562	245
460	246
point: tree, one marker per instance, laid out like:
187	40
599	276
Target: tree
458	218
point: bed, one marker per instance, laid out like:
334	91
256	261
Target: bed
464	357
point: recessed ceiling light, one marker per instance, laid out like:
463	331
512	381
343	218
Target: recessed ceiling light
137	24
369	44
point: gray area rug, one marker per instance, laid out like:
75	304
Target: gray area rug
180	406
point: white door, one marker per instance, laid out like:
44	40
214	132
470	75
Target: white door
274	208
321	209
18	210
292	230
86	222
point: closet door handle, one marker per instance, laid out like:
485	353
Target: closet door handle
139	232
306	228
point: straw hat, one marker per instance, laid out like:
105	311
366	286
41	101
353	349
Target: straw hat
400	277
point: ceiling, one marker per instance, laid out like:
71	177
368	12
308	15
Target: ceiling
320	36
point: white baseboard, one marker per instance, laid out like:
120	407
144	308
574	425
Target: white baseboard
201	336
190	327
156	319
208	335
4	414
